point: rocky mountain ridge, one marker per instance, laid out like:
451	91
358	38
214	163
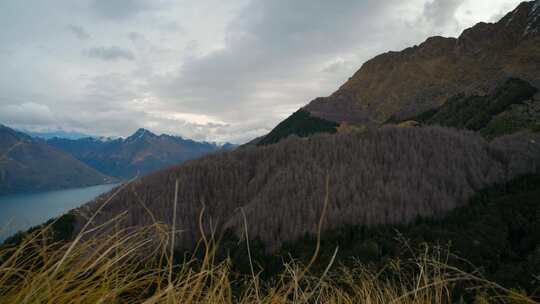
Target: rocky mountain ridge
138	154
407	83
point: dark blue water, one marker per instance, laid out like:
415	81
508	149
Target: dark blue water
22	211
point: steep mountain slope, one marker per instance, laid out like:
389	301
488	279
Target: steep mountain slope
29	165
511	108
422	77
391	175
138	154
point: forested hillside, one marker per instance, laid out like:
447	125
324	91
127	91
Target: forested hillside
510	108
384	176
496	235
301	124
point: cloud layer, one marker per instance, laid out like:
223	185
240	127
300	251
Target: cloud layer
78	31
111	53
215	70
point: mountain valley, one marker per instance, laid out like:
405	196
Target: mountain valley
429	156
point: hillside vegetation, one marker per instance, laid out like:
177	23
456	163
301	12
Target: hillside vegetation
510	108
385	176
496	235
123	268
138	265
301	124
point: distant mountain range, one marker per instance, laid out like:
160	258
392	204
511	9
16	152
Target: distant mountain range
30	164
53	134
138	154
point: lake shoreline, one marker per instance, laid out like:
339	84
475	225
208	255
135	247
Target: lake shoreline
110	182
21	211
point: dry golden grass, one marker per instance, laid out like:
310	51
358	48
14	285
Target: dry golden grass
136	266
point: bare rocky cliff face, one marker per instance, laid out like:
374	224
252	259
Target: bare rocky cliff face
404	84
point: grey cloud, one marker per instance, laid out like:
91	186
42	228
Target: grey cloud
27	114
173	26
274	44
440	12
502	12
78	31
209	71
139	41
112	53
119	9
336	66
275	51
134	36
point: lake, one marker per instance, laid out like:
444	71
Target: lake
22	211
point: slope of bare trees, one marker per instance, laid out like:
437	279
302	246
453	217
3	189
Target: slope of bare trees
389	175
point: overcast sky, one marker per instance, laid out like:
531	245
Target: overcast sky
209	69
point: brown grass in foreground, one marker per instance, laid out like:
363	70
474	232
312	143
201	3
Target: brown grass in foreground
136	266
